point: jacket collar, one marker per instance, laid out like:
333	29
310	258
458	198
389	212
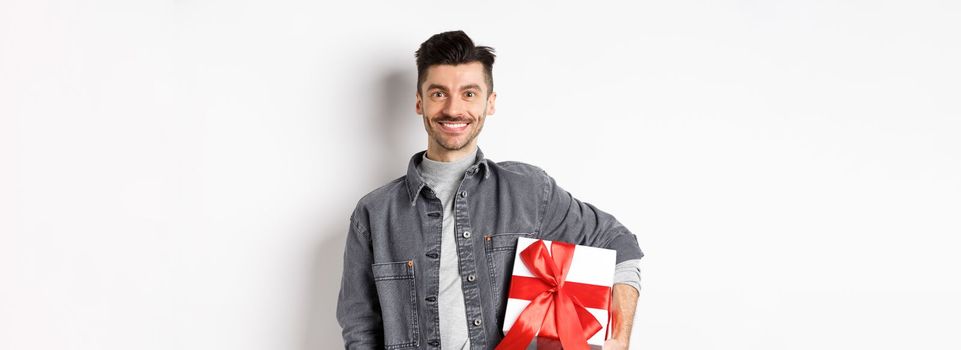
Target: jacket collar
415	181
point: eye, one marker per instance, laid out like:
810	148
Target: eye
470	94
437	94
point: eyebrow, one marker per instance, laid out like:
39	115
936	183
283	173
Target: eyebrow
465	87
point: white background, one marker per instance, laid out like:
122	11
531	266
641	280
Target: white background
179	174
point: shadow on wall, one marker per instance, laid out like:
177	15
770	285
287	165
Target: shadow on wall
388	144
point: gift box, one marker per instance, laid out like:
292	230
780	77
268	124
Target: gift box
560	293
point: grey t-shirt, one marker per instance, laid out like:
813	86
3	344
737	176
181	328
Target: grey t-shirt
444	178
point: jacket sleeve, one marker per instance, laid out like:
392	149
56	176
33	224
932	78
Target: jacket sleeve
358	307
567	219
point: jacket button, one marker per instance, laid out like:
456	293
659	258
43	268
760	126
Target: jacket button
463	194
477	322
466	234
432	255
471	278
431	299
434	342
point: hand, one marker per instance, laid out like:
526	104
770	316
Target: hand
615	344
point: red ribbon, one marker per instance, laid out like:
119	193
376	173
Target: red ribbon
558	308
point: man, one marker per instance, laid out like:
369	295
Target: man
428	257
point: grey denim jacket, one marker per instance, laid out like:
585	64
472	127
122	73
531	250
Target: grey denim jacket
389	287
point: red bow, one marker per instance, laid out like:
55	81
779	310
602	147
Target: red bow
558	308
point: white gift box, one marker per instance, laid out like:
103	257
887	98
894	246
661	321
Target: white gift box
590	265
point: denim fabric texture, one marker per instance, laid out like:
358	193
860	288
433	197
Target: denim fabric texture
389	286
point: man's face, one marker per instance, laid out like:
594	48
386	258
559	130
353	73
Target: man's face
454	102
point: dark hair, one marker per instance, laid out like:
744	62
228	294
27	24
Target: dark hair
453	48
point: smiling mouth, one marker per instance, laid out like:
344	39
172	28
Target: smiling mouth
453	127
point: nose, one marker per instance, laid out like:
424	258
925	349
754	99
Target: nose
454	107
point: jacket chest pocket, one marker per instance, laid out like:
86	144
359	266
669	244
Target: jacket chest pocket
397	293
500	249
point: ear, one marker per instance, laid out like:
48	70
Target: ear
418	105
490	102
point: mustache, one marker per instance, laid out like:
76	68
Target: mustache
452	120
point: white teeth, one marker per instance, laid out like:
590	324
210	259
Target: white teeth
454	125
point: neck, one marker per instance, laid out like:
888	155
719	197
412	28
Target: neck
441	154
